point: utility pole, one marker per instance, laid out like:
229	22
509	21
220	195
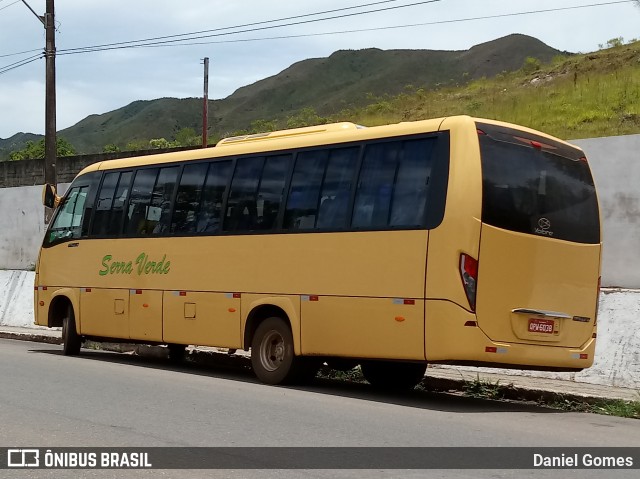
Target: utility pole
50	150
205	105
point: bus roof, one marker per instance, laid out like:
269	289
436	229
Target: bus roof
334	133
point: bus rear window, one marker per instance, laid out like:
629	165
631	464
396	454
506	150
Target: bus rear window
537	186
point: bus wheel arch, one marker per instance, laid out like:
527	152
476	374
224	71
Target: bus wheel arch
58	309
258	315
273	357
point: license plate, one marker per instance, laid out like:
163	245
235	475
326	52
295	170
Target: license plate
544	326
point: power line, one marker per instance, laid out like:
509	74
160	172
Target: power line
120	45
187	42
7	6
132	42
164	37
20	53
20	63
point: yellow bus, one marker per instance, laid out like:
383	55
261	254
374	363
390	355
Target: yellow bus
454	240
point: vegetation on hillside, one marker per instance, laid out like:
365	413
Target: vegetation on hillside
566	95
34	150
572	97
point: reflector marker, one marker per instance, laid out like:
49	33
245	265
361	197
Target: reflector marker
404	301
494	349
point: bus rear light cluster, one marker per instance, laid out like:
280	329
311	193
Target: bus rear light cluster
469	276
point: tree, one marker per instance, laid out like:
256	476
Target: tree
111	148
187	137
531	65
263	126
159	143
615	42
35	150
305	117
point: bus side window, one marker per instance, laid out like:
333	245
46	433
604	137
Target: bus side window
304	193
242	208
375	187
336	188
104	203
209	217
271	190
136	220
412	180
110	205
117	209
158	214
188	198
68	221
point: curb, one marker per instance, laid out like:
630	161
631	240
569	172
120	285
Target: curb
38	338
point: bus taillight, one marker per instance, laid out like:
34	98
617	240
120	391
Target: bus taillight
469	276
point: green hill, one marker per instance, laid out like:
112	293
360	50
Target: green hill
516	78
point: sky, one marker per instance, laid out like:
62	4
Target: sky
100	81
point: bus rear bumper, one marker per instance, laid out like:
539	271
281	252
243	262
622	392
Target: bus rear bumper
453	337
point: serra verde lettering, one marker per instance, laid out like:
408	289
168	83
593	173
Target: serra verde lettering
141	265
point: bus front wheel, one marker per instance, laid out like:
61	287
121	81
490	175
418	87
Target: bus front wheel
388	375
272	356
70	338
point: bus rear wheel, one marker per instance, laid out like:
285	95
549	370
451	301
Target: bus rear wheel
392	376
272	356
70	338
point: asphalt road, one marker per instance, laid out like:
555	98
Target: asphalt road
101	399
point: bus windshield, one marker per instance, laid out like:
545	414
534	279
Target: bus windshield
537	186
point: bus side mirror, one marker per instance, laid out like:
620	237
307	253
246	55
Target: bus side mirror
49	197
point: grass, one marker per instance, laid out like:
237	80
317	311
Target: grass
611	407
578	96
484	389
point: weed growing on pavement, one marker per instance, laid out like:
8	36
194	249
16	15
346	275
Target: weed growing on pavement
352	375
483	389
608	407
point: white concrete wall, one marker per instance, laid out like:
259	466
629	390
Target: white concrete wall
21	226
16	298
615	162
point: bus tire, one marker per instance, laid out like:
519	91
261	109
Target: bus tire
272	357
393	376
70	339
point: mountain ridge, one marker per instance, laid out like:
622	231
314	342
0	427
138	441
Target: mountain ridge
344	79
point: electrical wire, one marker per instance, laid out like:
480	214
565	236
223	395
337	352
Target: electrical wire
20	63
132	42
20	53
7	6
187	42
165	40
243	25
